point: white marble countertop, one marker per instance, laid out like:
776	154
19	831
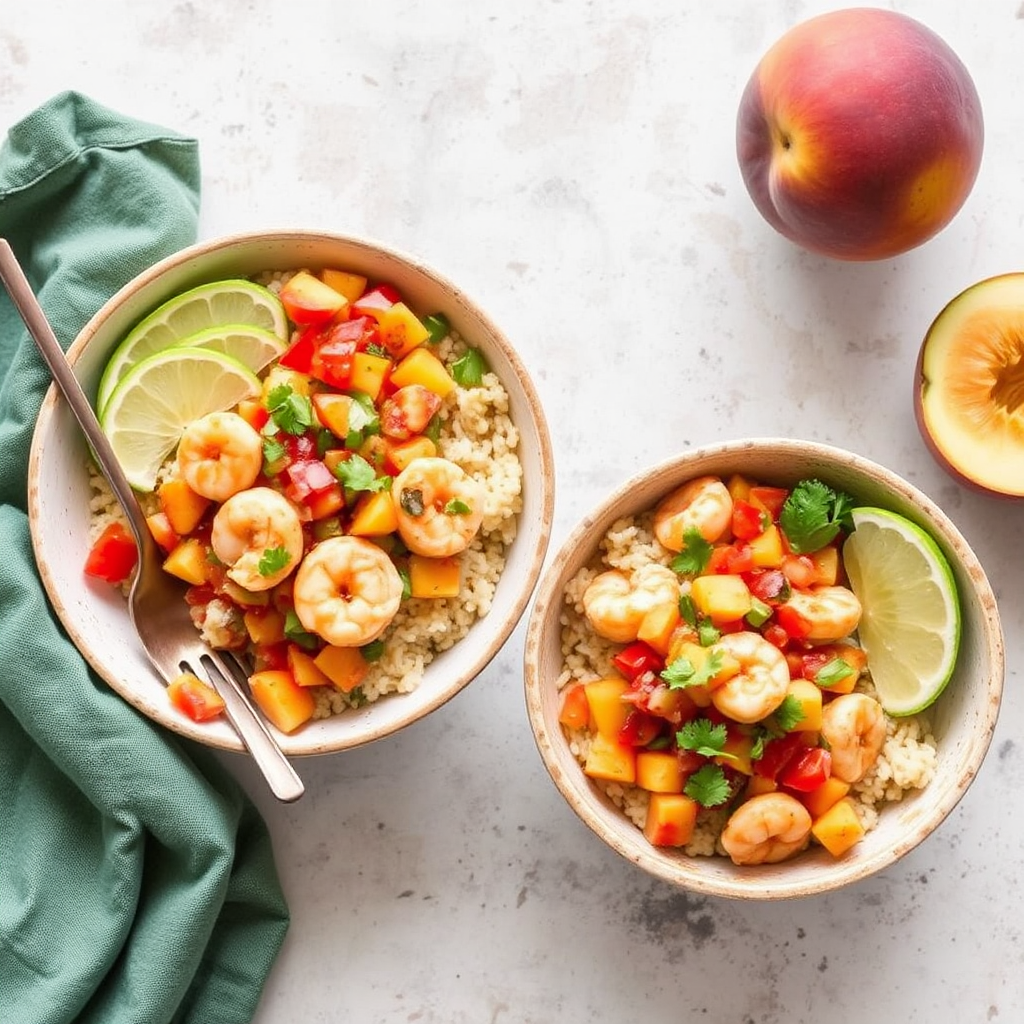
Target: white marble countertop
571	163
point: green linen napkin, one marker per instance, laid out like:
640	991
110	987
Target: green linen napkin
137	881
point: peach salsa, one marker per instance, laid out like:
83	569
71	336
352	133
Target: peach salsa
345	520
713	685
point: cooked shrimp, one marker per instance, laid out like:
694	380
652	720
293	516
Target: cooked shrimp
257	534
853	725
219	455
347	591
704	504
766	829
762	682
831	613
439	507
615	604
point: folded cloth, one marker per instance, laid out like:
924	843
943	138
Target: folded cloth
137	881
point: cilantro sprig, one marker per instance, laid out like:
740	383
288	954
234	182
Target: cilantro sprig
813	514
703	737
357	475
708	786
833	672
469	370
695	555
290	411
273	560
682	672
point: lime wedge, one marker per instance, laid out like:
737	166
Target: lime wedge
252	346
160	396
910	624
220	303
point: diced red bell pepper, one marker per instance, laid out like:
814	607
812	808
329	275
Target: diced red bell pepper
777	754
113	555
300	447
271	656
731	559
639	729
789	619
773	498
299	355
806	770
748	521
636	658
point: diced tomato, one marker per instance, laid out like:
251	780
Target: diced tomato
789	619
113	555
575	713
192	697
799	570
731	559
376	301
732	626
768	585
332	357
807	770
307	478
772	498
637	658
299	355
748	521
300	447
690	761
776	636
408	411
639	729
271	656
777	754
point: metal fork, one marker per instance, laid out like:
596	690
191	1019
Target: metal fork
156	602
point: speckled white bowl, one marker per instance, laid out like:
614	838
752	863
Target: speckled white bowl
96	617
963	718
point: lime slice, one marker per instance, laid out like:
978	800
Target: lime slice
160	396
252	346
910	623
235	301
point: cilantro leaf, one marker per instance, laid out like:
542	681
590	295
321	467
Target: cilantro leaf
688	610
455	507
373	651
832	672
273	560
290	411
373	349
274	454
406	583
708	786
813	514
693	559
356	474
470	369
703	737
363	420
789	714
682	672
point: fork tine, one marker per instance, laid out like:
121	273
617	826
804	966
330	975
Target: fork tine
226	676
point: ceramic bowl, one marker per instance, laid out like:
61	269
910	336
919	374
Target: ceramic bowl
95	615
963	718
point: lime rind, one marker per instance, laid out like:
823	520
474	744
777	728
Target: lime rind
911	622
219	303
154	402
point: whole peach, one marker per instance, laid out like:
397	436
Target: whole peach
859	134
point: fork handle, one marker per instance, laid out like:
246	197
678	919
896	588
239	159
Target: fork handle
281	777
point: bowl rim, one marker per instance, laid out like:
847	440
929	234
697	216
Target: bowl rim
577	790
294	744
